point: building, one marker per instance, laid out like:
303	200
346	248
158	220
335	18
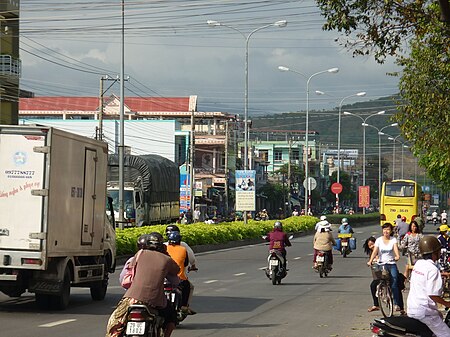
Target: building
215	139
10	65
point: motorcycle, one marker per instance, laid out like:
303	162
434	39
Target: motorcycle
173	295
345	244
323	266
143	321
435	221
277	266
397	326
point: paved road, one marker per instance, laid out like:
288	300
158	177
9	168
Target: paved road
233	297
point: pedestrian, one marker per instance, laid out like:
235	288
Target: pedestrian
410	243
368	246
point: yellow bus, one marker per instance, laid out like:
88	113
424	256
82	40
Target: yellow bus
402	197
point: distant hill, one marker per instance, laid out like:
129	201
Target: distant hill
325	122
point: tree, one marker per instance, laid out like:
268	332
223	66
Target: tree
383	28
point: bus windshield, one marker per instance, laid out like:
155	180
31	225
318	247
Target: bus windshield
399	189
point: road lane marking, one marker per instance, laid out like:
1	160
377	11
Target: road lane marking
240	274
262	268
297	258
211	281
52	324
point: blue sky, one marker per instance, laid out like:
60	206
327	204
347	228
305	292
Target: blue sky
170	50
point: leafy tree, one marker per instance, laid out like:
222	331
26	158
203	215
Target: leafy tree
275	193
383	28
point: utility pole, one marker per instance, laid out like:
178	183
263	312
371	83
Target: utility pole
192	162
102	92
289	177
226	168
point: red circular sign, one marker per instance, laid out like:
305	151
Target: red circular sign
336	188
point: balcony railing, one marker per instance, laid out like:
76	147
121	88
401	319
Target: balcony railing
10	66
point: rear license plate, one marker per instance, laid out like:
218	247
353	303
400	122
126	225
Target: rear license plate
135	328
344	244
273	262
320	258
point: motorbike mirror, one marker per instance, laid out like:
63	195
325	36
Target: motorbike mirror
291	237
264	236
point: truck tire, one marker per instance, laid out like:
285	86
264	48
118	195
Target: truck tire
42	301
98	290
61	301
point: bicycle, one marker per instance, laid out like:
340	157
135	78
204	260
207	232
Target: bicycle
384	290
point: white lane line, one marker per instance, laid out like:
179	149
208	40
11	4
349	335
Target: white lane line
211	281
297	258
262	268
240	274
311	254
52	324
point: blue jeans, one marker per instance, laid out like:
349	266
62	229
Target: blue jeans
398	298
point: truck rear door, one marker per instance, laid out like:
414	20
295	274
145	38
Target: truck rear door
22	170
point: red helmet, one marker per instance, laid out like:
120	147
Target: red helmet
403	218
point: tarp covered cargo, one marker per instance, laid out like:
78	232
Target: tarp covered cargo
160	176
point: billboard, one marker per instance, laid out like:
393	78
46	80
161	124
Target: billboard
364	196
245	190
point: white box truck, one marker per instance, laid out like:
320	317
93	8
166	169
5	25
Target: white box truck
57	226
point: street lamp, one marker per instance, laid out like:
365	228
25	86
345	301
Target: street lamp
394	139
364	124
380	133
359	94
213	23
332	71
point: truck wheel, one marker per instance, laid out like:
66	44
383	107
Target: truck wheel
61	301
98	290
42	301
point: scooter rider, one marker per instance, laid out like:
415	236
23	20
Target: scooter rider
278	240
179	254
444	217
323	240
192	260
345	227
426	288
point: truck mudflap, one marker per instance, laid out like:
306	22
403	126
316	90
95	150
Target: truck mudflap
46	286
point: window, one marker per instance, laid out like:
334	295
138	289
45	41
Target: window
277	155
264	155
295	154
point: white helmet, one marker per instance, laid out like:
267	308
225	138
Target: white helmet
323	217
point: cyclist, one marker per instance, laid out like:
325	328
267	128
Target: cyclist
386	249
426	288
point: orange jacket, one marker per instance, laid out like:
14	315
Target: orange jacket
179	254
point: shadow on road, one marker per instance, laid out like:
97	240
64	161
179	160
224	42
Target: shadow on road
219	326
217	304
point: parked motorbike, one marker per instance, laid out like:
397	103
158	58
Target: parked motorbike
143	321
173	295
397	326
277	266
323	265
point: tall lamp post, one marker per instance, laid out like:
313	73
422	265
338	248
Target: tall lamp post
338	180
364	124
394	139
307	190
213	23
380	133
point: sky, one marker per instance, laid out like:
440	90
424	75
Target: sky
170	51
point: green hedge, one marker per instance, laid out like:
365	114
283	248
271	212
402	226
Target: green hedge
201	233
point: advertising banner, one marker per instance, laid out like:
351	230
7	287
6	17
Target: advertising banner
245	190
364	196
185	192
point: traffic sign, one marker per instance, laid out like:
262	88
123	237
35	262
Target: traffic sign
312	183
336	188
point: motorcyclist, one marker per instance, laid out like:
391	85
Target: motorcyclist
278	241
426	288
179	254
444	217
323	240
148	285
191	255
323	223
402	228
345	227
434	216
